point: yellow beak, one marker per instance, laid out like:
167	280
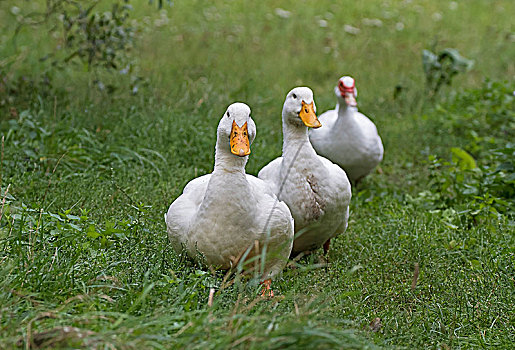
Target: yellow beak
240	144
308	116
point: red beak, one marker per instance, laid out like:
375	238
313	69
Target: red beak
347	93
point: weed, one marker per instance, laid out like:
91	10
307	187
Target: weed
440	69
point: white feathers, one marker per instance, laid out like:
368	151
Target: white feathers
348	81
316	191
226	214
348	137
222	215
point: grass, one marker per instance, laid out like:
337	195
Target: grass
86	177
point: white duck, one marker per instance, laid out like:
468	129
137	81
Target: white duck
317	191
223	214
348	137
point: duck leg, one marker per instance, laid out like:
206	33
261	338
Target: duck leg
267	289
326	247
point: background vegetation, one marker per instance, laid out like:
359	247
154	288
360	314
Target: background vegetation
106	113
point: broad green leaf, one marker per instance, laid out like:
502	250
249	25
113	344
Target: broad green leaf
464	160
92	232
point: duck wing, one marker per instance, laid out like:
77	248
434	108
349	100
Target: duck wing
271	174
184	209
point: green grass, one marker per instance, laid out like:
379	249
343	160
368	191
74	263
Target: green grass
84	258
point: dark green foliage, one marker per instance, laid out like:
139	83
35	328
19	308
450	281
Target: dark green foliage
159	3
441	68
85	36
485	185
488	189
97	38
94	37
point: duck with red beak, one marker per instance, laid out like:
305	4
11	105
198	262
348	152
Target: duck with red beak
348	137
317	191
228	217
347	90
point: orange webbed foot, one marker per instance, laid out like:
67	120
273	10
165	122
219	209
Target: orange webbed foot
267	289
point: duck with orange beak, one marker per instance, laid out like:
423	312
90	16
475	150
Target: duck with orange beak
317	191
228	216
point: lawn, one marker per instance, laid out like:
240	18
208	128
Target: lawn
91	158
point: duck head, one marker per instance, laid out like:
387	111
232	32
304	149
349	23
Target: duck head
236	129
299	108
346	91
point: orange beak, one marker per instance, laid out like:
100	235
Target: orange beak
240	144
308	116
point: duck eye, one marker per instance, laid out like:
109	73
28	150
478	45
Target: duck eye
228	114
293	95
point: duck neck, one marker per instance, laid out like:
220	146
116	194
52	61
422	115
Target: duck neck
296	142
228	194
344	114
227	162
345	111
